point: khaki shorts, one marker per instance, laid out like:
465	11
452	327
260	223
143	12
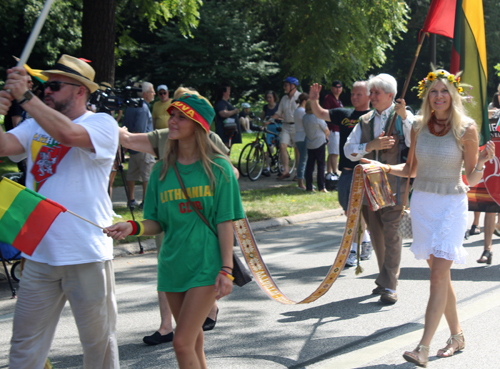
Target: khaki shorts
333	145
287	134
139	167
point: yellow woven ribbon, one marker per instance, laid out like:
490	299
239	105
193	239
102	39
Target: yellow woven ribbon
259	269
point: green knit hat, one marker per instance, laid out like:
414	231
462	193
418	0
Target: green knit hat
195	107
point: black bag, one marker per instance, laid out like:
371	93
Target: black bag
240	273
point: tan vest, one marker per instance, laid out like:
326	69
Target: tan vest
391	156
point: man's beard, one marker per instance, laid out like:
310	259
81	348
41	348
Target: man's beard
60	106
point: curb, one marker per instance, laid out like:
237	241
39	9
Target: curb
149	244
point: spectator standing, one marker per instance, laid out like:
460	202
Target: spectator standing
226	114
332	101
139	120
73	262
160	114
300	139
346	120
317	133
285	111
272	105
368	140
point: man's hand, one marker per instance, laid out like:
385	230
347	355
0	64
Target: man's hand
314	91
17	82
400	108
380	143
5	103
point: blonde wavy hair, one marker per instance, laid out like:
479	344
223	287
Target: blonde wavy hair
458	117
206	149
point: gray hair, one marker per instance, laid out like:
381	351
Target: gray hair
362	84
146	86
384	82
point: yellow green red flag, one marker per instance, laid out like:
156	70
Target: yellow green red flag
25	216
469	55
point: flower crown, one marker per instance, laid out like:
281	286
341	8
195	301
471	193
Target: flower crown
424	84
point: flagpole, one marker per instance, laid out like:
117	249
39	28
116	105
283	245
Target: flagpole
34	33
407	82
76	215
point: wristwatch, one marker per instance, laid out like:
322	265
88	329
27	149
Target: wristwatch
27	96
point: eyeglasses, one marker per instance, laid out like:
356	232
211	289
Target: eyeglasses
56	85
162	93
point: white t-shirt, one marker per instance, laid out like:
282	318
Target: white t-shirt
77	179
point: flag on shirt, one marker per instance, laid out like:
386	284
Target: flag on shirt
463	20
25	216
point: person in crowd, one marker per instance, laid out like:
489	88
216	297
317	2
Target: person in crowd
300	138
368	140
346	120
317	133
154	144
494	105
332	101
226	117
195	262
272	105
70	152
285	111
245	117
445	138
139	120
160	114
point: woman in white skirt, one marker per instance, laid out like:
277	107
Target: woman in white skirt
445	138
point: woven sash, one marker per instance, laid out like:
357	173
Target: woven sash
366	177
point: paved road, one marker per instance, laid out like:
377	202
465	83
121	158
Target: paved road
347	328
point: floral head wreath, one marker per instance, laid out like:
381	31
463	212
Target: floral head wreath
424	84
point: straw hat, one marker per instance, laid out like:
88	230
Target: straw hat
75	68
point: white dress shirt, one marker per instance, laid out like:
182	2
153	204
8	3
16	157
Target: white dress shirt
287	107
355	150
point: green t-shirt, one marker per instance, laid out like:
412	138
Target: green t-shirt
190	253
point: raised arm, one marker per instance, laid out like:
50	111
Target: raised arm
135	141
318	111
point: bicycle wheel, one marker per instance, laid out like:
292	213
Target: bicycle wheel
242	161
15	271
255	162
291	160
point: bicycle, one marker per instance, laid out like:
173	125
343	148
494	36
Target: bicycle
254	155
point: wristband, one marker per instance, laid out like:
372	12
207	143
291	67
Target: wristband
137	228
390	168
226	274
477	170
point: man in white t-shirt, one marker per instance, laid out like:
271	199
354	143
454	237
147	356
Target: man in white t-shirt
285	111
70	152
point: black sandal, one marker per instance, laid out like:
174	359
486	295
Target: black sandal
475	230
486	257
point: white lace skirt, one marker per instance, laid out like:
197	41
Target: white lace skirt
439	223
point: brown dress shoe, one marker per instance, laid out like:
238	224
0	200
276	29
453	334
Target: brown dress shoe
379	290
389	298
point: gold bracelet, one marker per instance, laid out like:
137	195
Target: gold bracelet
389	169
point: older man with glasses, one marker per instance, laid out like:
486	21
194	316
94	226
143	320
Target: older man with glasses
160	115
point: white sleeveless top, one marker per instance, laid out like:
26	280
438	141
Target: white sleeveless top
439	167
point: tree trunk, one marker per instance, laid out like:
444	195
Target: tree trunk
98	38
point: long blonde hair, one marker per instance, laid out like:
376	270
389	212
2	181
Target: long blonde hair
206	149
458	117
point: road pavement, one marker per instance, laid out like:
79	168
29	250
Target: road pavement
346	328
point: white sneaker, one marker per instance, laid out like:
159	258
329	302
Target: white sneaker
366	250
115	215
352	259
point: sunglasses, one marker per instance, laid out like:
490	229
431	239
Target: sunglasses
162	93
56	85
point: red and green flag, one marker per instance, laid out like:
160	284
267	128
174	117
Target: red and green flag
463	20
25	216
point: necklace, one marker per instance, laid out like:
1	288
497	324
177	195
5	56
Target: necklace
438	122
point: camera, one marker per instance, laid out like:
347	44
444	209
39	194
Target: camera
116	98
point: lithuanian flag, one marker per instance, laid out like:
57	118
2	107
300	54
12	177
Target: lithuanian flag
463	20
25	216
469	55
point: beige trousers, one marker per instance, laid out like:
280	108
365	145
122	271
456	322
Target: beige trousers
43	291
